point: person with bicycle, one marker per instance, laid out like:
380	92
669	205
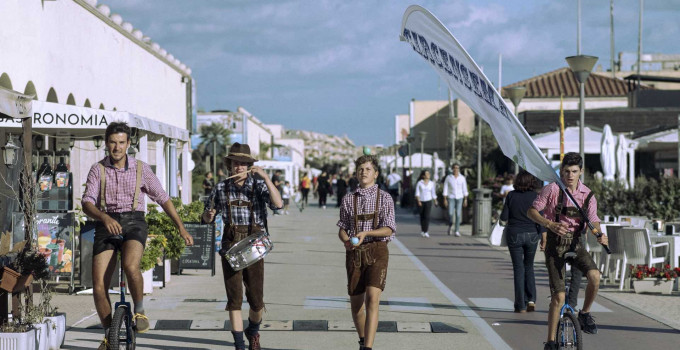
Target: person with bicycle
565	230
114	198
243	200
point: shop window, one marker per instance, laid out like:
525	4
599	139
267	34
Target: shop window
87	103
52	96
71	100
5	81
30	90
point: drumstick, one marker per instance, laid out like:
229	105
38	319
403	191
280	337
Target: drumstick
239	174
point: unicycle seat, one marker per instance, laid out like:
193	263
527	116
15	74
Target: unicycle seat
115	240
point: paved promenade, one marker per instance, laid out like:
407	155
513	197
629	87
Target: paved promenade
307	305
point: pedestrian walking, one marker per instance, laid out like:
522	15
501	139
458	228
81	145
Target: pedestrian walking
278	182
323	188
243	201
208	183
426	197
522	236
114	197
285	195
565	230
393	184
305	186
341	188
367	217
455	198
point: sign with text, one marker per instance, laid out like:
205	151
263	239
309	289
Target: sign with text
54	234
201	255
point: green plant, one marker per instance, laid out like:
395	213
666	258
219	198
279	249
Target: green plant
153	252
31	261
46	294
650	197
160	224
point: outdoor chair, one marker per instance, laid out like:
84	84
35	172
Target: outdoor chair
639	250
635	221
593	247
618	252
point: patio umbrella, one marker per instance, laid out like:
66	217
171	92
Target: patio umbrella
621	159
607	153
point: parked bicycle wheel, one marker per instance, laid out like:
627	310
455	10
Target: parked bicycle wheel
121	335
569	333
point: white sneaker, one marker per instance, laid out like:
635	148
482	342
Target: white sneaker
286	212
457	234
324	207
422	234
426	235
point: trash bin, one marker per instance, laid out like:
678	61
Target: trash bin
481	222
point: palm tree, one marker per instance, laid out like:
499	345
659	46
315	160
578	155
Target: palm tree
215	139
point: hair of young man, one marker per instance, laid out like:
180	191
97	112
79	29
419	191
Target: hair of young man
524	181
116	128
367	159
570	159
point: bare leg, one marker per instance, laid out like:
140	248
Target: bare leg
554	314
256	316
132	251
103	266
236	320
372	308
591	290
358	313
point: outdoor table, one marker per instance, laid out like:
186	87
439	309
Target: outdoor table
674	243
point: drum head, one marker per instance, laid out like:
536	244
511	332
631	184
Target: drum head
249	251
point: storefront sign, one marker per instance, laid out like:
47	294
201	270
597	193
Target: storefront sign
54	232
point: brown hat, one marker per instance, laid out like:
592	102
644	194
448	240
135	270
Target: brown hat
241	153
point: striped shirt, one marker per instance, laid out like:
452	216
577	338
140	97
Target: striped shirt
366	199
227	190
120	186
547	201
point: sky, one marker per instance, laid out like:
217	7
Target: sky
338	67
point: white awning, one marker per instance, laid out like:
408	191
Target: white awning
14	104
90	121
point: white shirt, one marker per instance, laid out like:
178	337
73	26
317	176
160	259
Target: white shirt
393	180
287	191
507	188
425	192
455	187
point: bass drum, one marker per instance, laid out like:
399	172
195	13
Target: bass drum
249	251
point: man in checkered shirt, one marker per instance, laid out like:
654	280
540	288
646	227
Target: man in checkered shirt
114	197
366	214
243	201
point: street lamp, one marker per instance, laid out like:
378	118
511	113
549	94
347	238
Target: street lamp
97	141
516	93
423	134
71	143
581	65
9	152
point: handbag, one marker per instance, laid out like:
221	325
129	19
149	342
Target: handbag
497	236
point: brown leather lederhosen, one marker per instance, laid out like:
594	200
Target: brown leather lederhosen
366	264
252	276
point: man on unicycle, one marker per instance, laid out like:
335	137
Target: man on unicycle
114	197
565	233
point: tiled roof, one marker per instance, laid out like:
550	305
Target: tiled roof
562	81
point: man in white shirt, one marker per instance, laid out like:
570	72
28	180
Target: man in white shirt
393	182
455	198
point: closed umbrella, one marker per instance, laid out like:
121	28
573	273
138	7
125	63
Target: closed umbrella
621	159
607	153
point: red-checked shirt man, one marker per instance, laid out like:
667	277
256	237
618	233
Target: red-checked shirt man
366	214
121	212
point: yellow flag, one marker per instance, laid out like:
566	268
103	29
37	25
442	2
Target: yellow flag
561	129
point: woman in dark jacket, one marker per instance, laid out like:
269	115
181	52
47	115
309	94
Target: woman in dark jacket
522	236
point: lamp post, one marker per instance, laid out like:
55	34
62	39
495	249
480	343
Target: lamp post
581	65
516	93
423	134
97	141
9	152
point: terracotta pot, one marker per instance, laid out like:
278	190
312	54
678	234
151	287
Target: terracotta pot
13	282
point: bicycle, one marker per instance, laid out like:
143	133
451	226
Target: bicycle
569	335
121	333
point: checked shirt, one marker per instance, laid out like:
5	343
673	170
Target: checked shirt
227	190
367	200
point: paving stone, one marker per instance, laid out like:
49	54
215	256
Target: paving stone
207	325
441	327
173	325
387	326
414	327
276	326
341	326
310	325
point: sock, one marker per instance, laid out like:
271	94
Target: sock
362	341
106	332
239	343
367	348
139	307
253	328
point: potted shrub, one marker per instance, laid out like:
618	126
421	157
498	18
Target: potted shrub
153	253
35	317
653	280
56	320
17	336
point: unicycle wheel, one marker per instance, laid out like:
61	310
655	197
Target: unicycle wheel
121	334
569	334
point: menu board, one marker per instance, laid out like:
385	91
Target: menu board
201	255
54	233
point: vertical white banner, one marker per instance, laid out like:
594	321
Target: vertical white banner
435	43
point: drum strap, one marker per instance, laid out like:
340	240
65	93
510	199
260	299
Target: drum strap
561	209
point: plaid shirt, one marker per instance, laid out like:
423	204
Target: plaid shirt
547	201
240	215
366	205
120	186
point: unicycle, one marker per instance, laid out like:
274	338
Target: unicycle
569	334
121	333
